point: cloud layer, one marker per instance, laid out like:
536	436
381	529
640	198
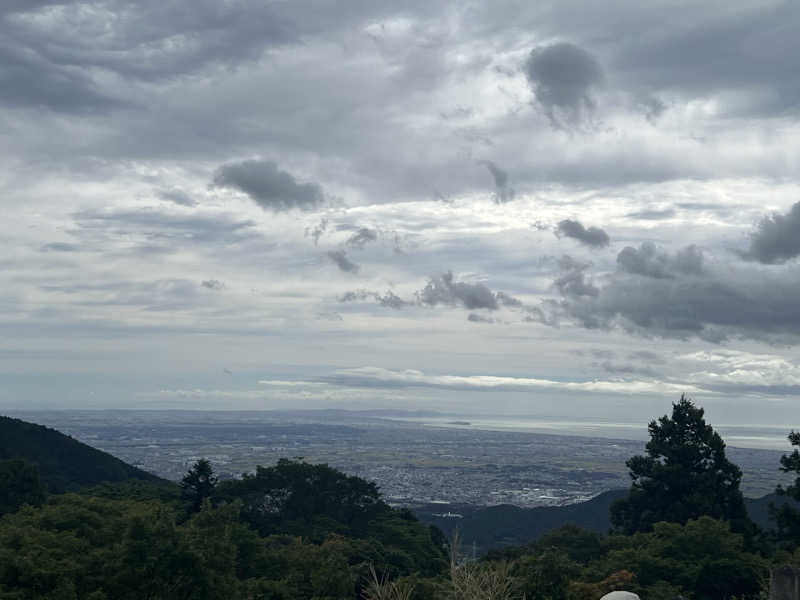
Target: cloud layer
528	198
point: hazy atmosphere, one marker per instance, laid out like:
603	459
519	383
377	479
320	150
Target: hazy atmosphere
546	208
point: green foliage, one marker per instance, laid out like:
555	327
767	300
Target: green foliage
19	485
64	464
304	499
546	575
787	516
198	484
703	559
317	501
684	475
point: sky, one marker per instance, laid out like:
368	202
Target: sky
520	208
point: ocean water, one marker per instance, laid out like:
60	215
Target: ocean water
770	437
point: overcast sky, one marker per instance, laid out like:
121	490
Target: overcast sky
543	208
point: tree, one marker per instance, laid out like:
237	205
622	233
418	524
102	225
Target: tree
19	485
198	484
684	475
787	517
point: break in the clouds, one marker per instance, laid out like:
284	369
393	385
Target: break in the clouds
267	185
326	160
777	237
589	236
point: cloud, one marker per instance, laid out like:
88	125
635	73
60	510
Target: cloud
361	237
443	289
385	378
648	261
388	299
776	238
504	193
177	196
213	284
61	247
711	305
150	225
339	258
593	236
476	318
563	77
317	231
268	186
31	82
149	40
574	284
725	370
744	53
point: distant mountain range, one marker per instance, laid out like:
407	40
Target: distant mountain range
65	464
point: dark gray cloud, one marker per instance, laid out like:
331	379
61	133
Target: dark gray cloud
563	78
270	187
476	318
339	258
649	261
363	236
213	284
388	299
593	236
177	196
776	238
31	82
750	50
503	192
147	39
443	289
753	303
575	284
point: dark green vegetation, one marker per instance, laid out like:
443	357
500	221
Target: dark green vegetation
64	464
683	475
303	531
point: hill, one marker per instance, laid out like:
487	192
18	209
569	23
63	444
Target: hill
507	525
65	464
503	525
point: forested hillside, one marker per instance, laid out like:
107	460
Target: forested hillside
64	464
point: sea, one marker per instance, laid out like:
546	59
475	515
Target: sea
767	437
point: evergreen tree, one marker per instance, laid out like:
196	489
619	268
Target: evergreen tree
787	517
684	475
198	484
